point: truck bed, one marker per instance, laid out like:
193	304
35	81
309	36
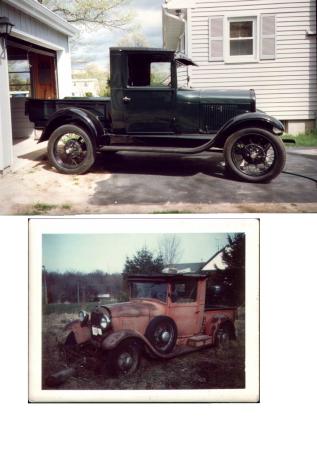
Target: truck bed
39	111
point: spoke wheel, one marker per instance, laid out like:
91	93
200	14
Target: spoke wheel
254	154
71	150
162	333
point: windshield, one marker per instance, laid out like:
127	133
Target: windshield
149	289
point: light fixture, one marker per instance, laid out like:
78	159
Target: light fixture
5	26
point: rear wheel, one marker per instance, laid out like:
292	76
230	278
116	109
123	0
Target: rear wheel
225	333
254	154
71	150
125	358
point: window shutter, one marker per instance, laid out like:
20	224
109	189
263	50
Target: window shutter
268	37
216	38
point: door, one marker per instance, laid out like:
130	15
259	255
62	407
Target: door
148	96
185	308
43	76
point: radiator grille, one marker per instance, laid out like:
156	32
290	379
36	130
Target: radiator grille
95	319
216	115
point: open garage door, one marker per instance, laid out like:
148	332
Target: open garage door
32	73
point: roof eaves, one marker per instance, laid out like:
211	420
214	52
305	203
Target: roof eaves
43	14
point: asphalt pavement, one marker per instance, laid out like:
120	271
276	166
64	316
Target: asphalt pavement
156	179
127	182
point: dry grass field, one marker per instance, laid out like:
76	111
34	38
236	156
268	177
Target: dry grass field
211	368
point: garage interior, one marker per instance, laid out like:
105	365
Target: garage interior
32	73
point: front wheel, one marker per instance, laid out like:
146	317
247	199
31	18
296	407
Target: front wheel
254	154
125	358
162	333
71	150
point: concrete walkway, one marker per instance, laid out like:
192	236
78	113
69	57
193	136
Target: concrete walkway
147	183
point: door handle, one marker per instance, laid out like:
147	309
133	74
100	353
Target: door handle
126	99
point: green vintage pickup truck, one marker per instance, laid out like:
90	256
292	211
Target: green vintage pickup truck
151	109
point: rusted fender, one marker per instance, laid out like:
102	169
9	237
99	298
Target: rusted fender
114	339
82	333
214	324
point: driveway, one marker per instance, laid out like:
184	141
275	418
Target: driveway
147	183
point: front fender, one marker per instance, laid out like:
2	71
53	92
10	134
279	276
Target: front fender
78	116
114	339
247	120
82	333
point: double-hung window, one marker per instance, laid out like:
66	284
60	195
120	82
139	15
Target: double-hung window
242	39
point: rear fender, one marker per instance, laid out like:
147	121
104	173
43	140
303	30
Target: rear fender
247	120
78	116
82	333
215	324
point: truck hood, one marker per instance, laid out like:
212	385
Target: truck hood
136	308
226	96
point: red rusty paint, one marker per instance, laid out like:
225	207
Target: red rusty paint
82	334
131	319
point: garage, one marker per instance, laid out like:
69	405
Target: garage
34	62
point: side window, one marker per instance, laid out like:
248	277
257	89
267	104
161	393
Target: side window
160	74
184	292
148	71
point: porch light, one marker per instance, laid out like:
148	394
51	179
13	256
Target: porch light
5	26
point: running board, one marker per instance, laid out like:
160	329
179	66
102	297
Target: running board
150	149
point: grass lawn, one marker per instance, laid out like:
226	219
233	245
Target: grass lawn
304	139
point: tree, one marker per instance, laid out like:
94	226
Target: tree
170	249
143	262
233	276
93	70
133	39
91	13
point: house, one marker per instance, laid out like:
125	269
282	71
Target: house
213	263
254	44
84	86
34	61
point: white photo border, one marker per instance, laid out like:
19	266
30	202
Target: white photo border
146	224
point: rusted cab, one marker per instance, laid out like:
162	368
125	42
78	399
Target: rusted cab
166	315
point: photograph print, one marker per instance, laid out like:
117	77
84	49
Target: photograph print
142	313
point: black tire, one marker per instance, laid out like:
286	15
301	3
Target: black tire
225	333
125	358
162	333
254	155
74	156
70	340
70	349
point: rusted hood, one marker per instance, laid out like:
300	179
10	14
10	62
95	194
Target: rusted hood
133	309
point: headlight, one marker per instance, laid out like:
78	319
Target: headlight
277	131
82	315
104	321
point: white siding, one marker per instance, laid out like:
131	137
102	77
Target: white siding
33	27
286	87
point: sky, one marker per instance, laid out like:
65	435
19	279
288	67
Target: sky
108	252
92	47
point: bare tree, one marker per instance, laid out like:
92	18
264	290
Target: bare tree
92	13
170	249
133	39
